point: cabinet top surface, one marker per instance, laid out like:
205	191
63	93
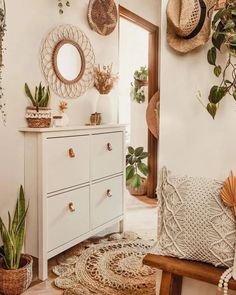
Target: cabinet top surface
73	128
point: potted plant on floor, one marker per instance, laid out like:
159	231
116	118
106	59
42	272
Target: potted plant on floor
136	170
39	114
15	267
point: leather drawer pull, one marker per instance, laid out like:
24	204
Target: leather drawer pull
109	193
71	207
109	147
71	153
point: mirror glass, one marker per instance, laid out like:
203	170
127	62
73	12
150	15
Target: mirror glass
69	62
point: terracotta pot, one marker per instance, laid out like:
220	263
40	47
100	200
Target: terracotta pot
40	119
15	282
141	191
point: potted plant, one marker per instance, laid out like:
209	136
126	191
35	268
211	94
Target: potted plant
223	43
136	170
15	267
104	81
140	81
39	114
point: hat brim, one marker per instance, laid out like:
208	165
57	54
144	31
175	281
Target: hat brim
182	45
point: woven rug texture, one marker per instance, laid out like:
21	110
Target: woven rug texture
109	266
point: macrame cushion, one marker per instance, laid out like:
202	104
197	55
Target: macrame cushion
194	223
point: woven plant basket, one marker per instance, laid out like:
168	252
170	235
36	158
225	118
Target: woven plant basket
141	191
141	83
40	119
15	282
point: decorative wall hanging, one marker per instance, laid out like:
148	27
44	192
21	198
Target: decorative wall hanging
2	34
61	5
67	60
140	81
152	114
220	4
102	16
188	23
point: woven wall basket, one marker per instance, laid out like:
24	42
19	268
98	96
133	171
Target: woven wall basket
102	16
15	282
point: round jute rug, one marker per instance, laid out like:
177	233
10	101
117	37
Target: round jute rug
107	268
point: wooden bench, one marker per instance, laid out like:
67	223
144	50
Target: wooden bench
175	269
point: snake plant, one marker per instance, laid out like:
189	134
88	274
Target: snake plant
41	96
13	235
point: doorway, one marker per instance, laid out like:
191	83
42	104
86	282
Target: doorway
150	36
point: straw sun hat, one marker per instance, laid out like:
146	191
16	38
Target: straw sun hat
188	23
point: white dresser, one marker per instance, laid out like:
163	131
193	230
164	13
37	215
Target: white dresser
74	179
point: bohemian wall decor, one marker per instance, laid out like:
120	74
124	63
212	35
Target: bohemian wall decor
224	43
2	34
138	92
67	60
188	23
61	5
102	16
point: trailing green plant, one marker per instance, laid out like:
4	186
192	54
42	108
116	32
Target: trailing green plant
135	168
223	38
41	96
13	235
61	5
140	80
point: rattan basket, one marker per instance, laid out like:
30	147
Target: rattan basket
141	191
38	119
15	282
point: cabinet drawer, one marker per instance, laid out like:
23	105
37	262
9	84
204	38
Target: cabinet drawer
68	217
106	201
67	162
107	154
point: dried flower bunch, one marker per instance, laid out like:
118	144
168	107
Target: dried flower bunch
104	79
63	106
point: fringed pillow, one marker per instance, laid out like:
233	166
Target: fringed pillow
194	223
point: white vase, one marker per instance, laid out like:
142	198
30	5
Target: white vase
105	107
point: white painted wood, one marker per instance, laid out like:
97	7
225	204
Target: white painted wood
63	224
106	201
63	170
107	154
52	181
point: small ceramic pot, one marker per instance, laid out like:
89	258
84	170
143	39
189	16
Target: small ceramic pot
95	119
141	191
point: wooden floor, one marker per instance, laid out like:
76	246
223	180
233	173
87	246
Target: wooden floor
141	217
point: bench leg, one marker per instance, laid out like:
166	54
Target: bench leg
170	284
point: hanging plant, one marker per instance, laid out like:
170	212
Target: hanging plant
62	4
2	34
224	42
140	81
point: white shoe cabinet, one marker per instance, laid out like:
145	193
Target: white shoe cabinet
74	180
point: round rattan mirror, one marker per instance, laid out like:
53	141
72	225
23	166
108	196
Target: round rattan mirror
67	60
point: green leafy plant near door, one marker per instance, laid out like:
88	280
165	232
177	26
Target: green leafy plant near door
135	168
224	42
140	80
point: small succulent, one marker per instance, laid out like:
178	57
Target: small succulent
135	166
13	236
61	6
41	96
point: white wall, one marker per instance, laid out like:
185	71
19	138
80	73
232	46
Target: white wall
133	54
191	142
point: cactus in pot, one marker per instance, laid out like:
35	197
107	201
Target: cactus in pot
15	267
39	114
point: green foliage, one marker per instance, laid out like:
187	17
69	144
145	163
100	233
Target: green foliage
41	96
13	235
140	79
135	166
224	34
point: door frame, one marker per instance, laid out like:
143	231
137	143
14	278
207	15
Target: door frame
153	82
